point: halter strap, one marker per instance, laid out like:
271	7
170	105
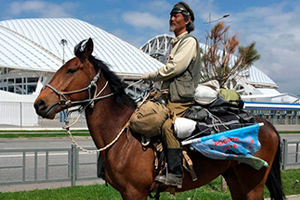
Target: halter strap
64	102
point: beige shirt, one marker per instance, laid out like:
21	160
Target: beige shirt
178	60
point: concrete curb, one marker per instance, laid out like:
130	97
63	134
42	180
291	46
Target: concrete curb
40	186
290	197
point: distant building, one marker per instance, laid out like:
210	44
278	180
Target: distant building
32	50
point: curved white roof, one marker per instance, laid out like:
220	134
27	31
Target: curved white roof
35	44
258	77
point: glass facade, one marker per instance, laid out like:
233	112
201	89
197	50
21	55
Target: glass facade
19	82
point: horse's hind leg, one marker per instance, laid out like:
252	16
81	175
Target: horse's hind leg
233	184
245	182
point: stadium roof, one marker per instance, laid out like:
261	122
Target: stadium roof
35	44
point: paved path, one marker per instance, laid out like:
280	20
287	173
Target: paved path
294	197
291	197
287	127
51	185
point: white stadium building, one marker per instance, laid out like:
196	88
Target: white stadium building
33	49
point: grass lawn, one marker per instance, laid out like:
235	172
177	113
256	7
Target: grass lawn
41	133
211	191
101	192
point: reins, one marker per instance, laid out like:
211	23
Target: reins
98	150
64	102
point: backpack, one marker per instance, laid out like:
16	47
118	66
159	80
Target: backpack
232	97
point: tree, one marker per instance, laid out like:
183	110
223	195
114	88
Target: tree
220	61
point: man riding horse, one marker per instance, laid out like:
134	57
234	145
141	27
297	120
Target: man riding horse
128	167
180	76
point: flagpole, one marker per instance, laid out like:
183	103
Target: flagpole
197	139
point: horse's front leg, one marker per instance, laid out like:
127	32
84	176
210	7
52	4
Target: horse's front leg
137	186
134	195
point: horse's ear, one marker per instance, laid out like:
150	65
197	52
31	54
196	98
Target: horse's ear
89	47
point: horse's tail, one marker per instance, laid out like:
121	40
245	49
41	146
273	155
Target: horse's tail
274	183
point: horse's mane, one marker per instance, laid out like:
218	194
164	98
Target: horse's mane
115	83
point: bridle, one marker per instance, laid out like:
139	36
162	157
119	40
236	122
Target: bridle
65	103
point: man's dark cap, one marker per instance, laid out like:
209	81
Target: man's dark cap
184	8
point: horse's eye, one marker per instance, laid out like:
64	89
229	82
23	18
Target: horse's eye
71	71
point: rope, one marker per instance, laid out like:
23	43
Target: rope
213	121
67	127
98	150
83	108
135	83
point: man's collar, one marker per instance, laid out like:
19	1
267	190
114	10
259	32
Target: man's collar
176	39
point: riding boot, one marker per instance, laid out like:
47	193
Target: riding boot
173	176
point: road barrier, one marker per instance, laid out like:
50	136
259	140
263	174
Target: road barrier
28	166
38	166
290	154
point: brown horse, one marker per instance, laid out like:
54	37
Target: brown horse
129	167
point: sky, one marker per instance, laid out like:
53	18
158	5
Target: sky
273	24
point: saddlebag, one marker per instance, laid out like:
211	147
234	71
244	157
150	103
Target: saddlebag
149	118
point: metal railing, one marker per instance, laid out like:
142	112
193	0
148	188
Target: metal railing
68	167
284	119
290	154
42	168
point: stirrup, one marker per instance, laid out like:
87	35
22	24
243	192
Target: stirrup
169	180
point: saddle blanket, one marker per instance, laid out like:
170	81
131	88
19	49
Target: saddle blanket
237	144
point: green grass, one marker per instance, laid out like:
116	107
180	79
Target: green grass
283	132
101	192
41	133
288	180
211	191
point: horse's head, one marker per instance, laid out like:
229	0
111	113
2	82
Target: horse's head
69	84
